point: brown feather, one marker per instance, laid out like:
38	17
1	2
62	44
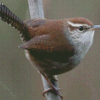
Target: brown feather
47	34
81	20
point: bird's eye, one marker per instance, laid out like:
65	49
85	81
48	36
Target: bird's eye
81	28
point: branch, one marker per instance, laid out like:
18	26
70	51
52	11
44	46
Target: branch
36	11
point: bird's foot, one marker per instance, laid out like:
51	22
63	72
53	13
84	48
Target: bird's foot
53	90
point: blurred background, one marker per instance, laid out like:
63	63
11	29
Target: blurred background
20	81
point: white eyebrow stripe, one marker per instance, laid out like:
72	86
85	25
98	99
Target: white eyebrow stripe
77	25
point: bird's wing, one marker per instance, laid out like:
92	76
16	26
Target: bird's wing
38	43
48	35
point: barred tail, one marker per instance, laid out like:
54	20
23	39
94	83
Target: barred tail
7	16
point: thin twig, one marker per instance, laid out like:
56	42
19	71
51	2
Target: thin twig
36	11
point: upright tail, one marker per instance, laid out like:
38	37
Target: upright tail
7	16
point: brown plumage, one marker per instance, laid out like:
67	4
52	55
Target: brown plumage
81	20
48	43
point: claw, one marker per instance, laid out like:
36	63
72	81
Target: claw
50	89
55	90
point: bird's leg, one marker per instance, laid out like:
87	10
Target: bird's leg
53	88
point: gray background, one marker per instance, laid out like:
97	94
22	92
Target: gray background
20	81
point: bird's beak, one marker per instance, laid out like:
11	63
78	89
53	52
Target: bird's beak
95	27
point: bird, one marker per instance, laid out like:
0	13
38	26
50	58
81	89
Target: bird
53	47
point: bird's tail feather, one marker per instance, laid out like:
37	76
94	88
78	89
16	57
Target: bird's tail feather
7	16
